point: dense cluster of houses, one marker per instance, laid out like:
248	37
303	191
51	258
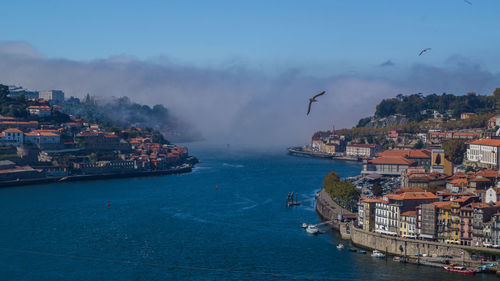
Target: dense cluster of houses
436	201
34	149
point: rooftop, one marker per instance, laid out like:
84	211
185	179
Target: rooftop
487	141
398	160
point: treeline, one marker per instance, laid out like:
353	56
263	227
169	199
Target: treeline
342	191
120	113
413	106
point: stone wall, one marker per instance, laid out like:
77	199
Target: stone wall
328	209
411	247
393	245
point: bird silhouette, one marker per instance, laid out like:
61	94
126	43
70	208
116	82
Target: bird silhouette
424	50
468	2
313	99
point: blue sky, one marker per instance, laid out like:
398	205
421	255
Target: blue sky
352	35
244	70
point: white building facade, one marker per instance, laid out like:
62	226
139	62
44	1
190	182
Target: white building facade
484	152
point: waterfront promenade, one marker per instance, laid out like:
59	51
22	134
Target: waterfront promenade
412	250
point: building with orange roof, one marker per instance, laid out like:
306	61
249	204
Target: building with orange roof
488	173
408	224
360	150
391	166
101	140
12	136
427	181
387	214
455	223
366	213
22	125
393	162
484	153
39	110
42	137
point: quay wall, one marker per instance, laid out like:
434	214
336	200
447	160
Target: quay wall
405	247
393	245
329	210
134	174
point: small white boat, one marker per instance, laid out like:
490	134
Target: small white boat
340	246
311	229
377	254
304	225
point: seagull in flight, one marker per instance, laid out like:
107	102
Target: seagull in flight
468	2
313	99
424	50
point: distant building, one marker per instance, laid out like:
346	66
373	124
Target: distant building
467	115
11	136
23	125
408	224
491	195
484	153
360	150
494	122
53	96
100	140
466	217
388	212
495	229
15	91
39	110
393	162
40	137
366	213
482	214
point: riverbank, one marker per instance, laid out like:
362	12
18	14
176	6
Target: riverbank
411	250
184	168
298	151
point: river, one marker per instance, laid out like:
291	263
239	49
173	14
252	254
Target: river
224	221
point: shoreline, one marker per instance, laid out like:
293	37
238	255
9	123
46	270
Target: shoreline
186	167
297	151
328	210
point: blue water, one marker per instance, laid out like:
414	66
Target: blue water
183	227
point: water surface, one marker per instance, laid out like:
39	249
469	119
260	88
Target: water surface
183	227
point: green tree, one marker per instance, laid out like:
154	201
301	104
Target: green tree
344	192
454	151
377	189
496	98
419	144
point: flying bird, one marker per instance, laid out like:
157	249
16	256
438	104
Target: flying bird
468	2
313	99
424	50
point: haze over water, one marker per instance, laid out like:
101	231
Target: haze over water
182	227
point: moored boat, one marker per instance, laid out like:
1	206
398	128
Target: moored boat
361	252
311	229
304	225
377	254
340	246
459	269
397	259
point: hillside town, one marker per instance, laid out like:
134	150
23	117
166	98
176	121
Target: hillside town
40	142
430	184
